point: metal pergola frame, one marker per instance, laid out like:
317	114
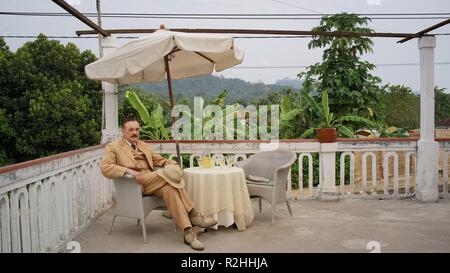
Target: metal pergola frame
96	29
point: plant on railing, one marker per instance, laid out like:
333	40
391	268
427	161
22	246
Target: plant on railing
382	130
326	119
153	127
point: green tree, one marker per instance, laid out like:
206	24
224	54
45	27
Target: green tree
442	104
6	131
342	73
48	103
400	106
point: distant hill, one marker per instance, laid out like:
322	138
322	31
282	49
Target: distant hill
209	87
294	83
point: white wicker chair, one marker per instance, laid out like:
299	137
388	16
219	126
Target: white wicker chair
274	166
132	204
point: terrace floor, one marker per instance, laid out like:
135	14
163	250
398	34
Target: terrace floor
334	226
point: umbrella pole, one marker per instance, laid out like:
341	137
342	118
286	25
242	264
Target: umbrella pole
169	84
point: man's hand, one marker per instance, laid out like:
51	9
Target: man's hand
172	163
138	176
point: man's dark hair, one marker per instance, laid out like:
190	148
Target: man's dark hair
128	119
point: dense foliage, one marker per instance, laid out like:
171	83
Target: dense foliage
47	105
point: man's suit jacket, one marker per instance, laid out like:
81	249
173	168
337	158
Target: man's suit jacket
118	157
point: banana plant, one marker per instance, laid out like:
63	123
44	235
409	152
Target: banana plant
328	120
287	114
153	127
229	113
220	99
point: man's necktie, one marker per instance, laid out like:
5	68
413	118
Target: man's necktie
133	145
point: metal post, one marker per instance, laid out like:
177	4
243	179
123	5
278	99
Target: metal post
169	84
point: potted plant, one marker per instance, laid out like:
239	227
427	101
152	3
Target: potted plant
329	125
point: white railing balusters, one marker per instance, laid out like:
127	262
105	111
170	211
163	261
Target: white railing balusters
373	170
386	172
72	176
20	221
86	193
408	156
5	224
89	175
96	187
50	222
65	205
193	157
217	159
36	198
352	172
445	172
60	207
240	156
310	173
289	183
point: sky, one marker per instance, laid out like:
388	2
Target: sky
269	53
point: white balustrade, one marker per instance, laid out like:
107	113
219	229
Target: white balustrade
47	204
387	152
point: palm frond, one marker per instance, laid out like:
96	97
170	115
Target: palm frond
308	132
312	103
138	106
345	131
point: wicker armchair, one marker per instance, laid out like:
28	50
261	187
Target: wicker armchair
132	204
266	174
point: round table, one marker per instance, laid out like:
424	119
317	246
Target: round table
220	192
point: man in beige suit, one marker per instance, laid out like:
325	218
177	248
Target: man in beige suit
129	155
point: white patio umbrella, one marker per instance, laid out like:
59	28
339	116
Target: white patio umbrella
166	54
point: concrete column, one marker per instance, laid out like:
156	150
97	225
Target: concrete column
111	125
327	189
426	186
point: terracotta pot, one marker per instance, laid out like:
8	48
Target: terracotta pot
326	135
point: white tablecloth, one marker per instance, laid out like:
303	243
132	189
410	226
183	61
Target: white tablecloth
220	192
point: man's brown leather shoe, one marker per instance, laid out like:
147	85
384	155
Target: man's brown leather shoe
191	239
203	221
